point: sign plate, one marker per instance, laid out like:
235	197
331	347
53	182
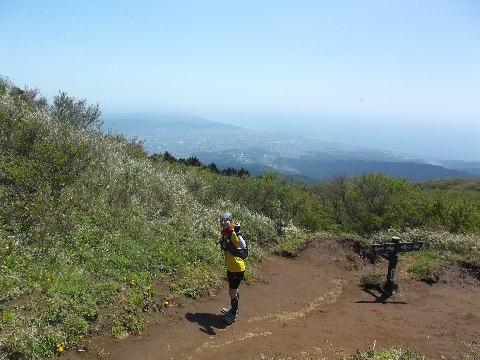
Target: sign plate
389	248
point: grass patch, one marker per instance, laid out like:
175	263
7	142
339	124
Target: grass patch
290	247
427	263
386	354
374	281
376	354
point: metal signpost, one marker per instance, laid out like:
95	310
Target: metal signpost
390	252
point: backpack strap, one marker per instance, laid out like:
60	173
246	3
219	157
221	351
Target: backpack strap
229	245
238	252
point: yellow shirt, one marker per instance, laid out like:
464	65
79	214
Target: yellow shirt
233	263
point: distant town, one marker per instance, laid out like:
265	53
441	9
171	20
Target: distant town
184	135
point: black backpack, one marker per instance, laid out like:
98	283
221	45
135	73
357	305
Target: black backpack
242	250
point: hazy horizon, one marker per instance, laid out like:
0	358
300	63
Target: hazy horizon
421	138
401	76
399	140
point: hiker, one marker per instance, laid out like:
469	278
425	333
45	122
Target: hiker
235	267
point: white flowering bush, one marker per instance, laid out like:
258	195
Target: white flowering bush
89	221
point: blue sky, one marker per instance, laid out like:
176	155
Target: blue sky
399	75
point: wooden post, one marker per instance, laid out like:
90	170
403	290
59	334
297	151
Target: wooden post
390	252
392	268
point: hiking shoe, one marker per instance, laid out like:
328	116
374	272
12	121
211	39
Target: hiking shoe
225	311
230	317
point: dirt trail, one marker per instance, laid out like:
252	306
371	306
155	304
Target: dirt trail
312	307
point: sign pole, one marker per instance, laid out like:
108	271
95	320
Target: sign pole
392	268
389	251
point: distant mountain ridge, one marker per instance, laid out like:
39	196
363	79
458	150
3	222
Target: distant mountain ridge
186	135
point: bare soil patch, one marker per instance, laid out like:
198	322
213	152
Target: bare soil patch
312	307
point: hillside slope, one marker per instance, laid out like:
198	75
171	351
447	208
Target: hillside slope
312	307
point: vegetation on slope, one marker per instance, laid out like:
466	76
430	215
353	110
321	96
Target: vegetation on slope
95	234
